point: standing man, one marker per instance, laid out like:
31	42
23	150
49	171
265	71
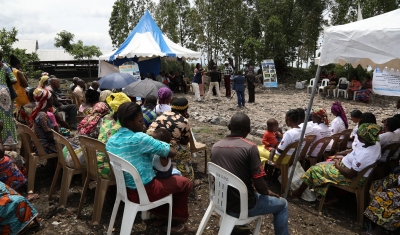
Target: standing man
228	71
239	81
214	77
197	79
251	82
241	157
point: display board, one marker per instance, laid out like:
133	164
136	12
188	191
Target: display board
386	82
130	67
270	78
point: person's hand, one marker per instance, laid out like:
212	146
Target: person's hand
337	162
272	194
1	125
278	134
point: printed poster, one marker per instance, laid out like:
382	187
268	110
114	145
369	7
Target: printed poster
269	73
131	68
386	82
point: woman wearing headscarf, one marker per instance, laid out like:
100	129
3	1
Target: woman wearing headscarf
109	125
164	98
91	97
89	126
320	128
177	123
363	95
44	81
344	169
42	124
104	94
340	123
22	82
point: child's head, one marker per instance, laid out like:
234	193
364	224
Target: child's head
391	124
294	117
162	134
272	125
356	116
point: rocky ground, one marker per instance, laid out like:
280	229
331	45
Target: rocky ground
208	121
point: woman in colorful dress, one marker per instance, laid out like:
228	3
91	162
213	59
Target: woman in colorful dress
177	123
384	208
355	85
109	125
9	135
363	95
22	82
91	98
344	169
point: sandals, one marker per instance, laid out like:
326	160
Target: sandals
178	229
32	196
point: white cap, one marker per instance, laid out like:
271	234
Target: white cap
226	62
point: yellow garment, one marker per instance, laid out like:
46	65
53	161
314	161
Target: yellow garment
22	98
116	99
43	79
264	156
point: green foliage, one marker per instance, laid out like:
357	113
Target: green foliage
176	66
79	51
7	39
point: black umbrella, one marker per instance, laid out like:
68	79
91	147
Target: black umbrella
116	80
143	88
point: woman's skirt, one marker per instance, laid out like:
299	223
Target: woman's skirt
10	174
363	95
183	160
384	209
15	211
319	177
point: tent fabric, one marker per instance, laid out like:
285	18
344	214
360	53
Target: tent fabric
106	68
374	41
147	41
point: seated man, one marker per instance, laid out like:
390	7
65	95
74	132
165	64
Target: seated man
80	90
333	81
240	157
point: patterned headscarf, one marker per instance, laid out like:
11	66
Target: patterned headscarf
322	114
337	110
180	104
42	80
369	132
164	94
40	95
104	94
114	100
87	125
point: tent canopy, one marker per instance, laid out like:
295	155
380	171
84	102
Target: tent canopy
374	41
147	41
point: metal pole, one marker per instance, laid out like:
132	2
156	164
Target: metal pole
298	150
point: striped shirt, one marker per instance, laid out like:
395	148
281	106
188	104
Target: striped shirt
228	70
138	149
149	116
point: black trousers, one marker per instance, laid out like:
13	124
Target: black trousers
251	95
70	110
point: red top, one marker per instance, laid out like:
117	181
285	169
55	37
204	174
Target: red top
269	140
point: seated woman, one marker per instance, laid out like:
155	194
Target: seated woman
104	94
109	125
131	144
89	126
177	123
384	208
363	95
92	97
42	124
164	99
389	137
339	123
345	169
24	113
354	85
320	129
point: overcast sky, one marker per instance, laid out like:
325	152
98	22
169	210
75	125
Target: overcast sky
42	19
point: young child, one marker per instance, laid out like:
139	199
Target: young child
161	165
269	139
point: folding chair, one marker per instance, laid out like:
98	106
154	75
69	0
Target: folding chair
324	142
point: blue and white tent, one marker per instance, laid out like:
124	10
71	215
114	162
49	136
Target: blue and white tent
146	41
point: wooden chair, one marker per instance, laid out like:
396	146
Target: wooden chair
335	139
197	147
324	142
30	156
284	168
360	192
307	143
384	167
346	136
68	172
90	147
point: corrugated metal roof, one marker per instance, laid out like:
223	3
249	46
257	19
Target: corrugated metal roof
60	55
28	44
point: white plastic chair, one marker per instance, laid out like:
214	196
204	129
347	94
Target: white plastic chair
337	91
218	200
312	80
120	165
324	83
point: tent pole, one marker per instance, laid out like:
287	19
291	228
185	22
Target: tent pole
298	150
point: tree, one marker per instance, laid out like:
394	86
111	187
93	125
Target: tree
124	17
79	51
7	39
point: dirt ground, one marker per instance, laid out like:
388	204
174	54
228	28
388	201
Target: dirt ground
303	216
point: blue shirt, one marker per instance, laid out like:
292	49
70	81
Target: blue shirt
138	149
197	77
239	82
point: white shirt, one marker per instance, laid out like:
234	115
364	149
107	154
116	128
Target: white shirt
361	158
292	136
337	125
158	166
354	132
385	139
321	131
161	108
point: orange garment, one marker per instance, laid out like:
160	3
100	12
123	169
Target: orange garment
22	98
269	140
355	85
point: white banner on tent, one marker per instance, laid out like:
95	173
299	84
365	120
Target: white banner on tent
386	83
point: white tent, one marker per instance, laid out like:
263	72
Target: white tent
374	41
